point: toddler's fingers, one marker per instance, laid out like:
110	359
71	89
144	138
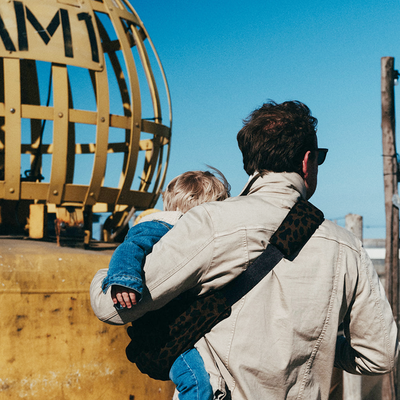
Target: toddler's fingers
114	295
127	300
121	299
132	296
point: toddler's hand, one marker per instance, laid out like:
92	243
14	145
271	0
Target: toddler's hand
124	296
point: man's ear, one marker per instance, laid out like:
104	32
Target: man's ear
306	164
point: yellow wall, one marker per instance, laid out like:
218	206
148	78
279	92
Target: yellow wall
51	344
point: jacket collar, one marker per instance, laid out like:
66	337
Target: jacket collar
277	182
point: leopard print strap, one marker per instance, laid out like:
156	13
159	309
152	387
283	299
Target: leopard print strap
298	226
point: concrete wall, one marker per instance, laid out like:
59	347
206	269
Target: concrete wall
52	345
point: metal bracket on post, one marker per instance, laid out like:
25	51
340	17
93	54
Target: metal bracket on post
396	75
396	200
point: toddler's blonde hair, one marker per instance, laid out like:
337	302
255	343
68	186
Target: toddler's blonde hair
192	188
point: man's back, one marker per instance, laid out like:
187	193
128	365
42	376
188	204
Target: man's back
279	342
281	336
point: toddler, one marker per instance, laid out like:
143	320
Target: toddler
125	269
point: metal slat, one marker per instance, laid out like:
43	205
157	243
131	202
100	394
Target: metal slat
60	134
160	182
134	134
100	161
12	102
152	156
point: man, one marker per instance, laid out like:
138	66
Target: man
279	341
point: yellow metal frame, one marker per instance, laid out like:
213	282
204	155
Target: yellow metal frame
20	100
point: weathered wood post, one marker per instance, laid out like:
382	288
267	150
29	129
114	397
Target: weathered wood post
354	224
390	167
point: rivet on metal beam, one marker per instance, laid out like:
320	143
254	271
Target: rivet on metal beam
102	119
11	190
91	194
137	124
60	114
12	110
55	192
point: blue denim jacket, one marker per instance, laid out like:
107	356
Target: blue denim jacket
126	264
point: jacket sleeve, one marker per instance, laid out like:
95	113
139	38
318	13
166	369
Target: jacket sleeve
176	264
127	261
370	344
190	257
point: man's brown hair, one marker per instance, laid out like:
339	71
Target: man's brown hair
276	137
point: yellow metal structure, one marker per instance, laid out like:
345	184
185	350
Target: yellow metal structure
79	99
83	129
52	345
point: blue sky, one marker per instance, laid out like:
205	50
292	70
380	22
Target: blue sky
224	58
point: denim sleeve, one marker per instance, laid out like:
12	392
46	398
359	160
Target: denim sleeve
127	261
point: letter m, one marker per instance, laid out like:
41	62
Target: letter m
23	13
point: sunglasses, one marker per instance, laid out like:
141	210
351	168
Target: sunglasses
321	155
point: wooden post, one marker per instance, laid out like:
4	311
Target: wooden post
354	224
352	384
389	384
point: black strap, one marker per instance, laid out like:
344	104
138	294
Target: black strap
293	233
241	285
250	184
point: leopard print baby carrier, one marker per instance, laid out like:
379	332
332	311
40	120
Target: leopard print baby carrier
160	336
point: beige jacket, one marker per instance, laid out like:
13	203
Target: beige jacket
279	342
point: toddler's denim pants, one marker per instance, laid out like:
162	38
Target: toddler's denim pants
190	377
